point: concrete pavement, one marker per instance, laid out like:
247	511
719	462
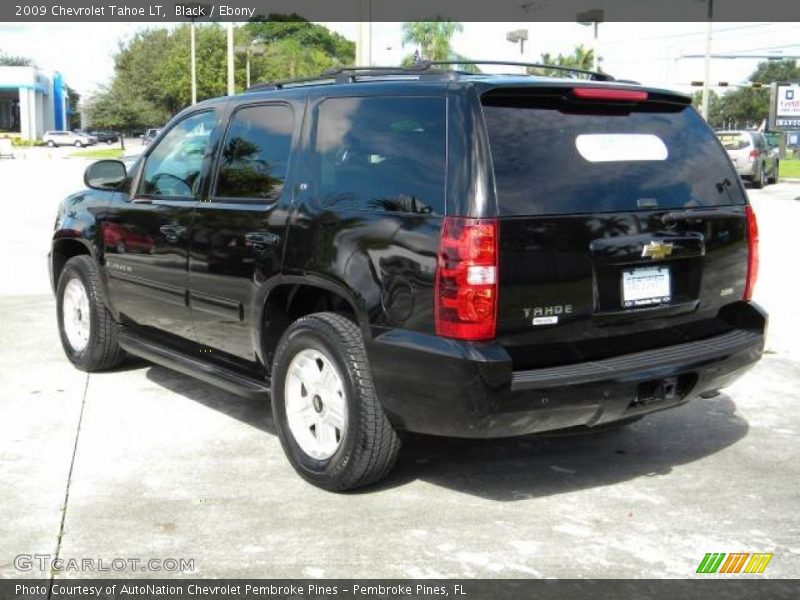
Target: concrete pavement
145	463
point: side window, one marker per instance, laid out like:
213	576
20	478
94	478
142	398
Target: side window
381	154
255	154
173	167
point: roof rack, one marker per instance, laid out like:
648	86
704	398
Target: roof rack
423	69
353	74
592	75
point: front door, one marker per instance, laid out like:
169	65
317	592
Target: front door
146	236
237	234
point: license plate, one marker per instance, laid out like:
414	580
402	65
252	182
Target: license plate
646	287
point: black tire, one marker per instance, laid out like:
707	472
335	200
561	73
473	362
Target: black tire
51	144
775	173
78	144
760	179
102	350
370	445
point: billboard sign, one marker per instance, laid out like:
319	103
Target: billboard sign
787	105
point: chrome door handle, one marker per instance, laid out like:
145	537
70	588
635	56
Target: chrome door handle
260	240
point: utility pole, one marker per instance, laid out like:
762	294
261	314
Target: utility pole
364	35
231	81
194	63
707	76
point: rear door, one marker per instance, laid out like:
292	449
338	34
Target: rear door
622	224
238	232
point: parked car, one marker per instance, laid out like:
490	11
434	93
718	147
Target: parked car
105	137
752	156
149	136
421	250
68	138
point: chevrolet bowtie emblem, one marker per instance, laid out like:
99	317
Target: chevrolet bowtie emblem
657	250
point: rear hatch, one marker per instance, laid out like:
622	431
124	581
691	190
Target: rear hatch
739	147
622	224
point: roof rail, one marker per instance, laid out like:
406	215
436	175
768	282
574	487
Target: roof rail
352	74
422	69
593	75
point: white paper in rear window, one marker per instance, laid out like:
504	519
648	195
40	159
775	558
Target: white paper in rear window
620	147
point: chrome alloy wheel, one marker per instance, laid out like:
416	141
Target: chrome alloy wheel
316	404
75	314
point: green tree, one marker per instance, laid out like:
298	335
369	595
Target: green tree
152	79
748	106
9	60
433	40
581	58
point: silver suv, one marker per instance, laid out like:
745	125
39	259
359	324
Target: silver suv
68	138
751	155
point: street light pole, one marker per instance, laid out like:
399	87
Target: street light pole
707	74
593	17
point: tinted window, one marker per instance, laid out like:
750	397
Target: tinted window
255	153
383	154
549	161
173	167
734	141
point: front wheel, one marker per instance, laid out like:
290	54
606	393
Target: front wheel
78	144
330	422
51	144
87	329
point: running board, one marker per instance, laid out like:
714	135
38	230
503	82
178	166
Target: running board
227	379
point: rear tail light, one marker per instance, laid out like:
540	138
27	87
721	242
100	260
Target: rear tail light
466	279
609	94
753	155
752	252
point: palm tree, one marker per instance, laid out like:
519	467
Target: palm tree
581	58
432	39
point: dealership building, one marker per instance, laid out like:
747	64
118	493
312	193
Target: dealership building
32	102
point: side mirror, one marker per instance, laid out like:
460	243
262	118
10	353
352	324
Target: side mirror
105	174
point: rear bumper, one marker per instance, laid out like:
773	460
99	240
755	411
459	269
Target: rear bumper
445	387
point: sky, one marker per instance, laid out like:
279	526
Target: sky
652	53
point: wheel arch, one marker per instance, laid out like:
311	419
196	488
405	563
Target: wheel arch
63	249
292	297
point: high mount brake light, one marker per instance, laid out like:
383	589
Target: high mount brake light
609	94
466	279
752	252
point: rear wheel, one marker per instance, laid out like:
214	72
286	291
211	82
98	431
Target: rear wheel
328	416
760	179
51	144
775	172
78	144
87	329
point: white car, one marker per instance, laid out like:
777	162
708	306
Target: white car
68	138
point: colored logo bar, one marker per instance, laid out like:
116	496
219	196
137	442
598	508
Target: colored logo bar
736	562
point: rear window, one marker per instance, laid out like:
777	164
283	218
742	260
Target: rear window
734	141
558	161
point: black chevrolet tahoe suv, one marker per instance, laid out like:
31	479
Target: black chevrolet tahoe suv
420	250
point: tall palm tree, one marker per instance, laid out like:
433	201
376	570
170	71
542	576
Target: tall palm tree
432	39
581	58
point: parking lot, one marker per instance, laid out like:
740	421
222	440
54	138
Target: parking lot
146	463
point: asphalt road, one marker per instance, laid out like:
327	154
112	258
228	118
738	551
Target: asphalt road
145	463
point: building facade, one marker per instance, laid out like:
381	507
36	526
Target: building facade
32	102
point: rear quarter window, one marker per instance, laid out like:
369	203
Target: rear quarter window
549	160
381	154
